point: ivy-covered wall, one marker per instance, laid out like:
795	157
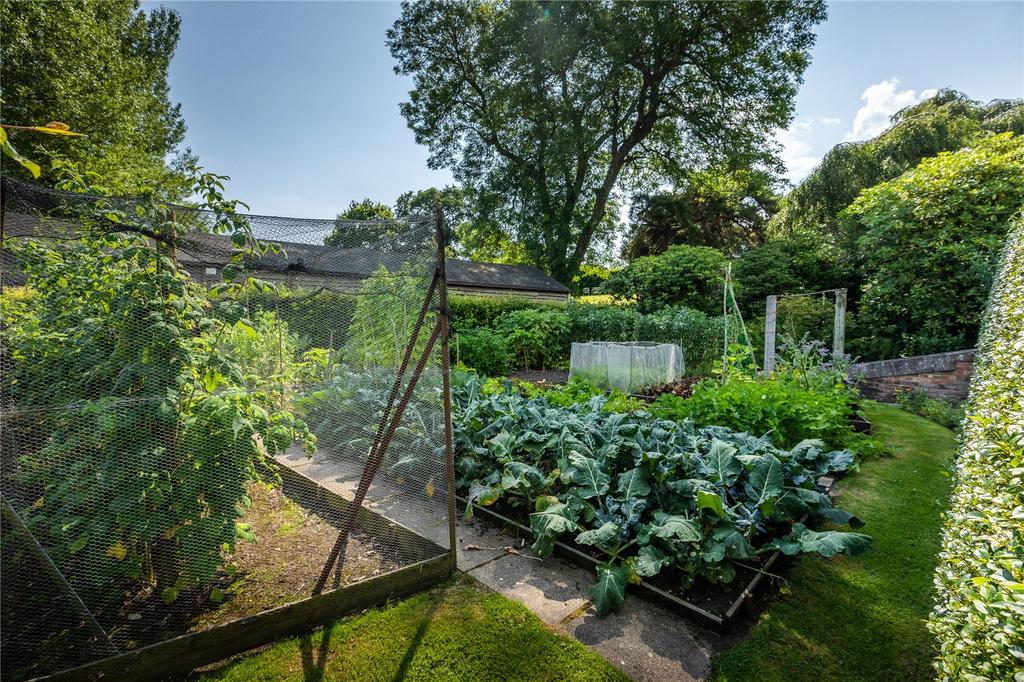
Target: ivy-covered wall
979	615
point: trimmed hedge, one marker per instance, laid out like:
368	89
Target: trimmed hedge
486	312
979	616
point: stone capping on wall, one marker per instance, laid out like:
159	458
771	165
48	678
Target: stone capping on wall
918	364
940	375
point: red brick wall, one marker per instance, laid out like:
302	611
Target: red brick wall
943	375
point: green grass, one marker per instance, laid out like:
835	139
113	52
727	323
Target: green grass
459	631
862	618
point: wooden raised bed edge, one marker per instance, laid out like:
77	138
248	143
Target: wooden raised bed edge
184	653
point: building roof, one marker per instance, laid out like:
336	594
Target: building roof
360	262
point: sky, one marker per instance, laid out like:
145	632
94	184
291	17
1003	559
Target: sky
298	101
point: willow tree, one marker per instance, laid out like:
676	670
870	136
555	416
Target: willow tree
561	107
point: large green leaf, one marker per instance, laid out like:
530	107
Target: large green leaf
609	591
587	475
670	527
712	501
554	520
826	543
650	560
765	484
633	483
723	467
521	475
604	535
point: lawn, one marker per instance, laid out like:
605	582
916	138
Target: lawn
459	631
862	618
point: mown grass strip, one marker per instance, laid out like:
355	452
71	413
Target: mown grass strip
460	631
863	618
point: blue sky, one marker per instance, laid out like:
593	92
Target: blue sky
298	101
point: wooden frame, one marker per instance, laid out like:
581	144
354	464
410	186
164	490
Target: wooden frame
184	653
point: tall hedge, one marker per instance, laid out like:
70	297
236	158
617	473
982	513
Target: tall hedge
979	616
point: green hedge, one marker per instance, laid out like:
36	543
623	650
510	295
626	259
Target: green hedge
979	616
698	334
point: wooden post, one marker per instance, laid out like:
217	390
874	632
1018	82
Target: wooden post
446	387
771	308
839	327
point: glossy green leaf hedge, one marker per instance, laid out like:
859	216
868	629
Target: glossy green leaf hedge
979	617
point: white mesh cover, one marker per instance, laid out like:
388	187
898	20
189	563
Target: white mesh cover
628	366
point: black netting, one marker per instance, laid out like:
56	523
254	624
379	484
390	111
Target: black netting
191	401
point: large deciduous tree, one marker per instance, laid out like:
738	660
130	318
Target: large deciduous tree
100	67
721	209
556	107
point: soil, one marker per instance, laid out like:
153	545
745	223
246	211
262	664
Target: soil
280	567
550	377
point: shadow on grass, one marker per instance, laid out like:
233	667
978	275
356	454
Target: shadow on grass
414	645
313	666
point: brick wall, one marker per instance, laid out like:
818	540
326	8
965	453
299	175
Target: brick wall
942	375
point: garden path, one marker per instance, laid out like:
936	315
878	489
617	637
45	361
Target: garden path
644	640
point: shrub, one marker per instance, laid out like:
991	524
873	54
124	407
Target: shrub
537	337
307	313
684	275
486	312
790	265
979	616
934	230
933	409
784	410
482	350
384	320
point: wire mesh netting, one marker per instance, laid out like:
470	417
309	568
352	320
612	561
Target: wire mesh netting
197	407
628	366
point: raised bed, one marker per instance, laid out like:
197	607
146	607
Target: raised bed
720	622
430	563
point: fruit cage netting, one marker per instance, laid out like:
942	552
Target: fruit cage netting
211	422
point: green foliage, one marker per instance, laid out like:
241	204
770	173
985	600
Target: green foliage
590	277
692	276
306	313
263	348
934	230
483	350
537	337
129	391
100	67
364	224
783	411
552	107
721	209
646	493
979	616
470	312
946	122
935	410
788	265
577	391
387	307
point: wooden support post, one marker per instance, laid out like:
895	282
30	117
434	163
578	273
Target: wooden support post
771	308
839	327
446	388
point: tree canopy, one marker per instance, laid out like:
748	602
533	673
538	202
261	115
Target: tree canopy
556	107
101	68
721	209
692	276
946	122
930	243
363	223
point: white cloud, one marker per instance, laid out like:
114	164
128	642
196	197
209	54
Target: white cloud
797	152
881	101
829	121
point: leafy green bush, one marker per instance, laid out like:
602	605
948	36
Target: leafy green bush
979	616
315	317
933	409
935	229
537	337
487	312
649	495
692	276
137	432
789	265
483	350
384	320
782	410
